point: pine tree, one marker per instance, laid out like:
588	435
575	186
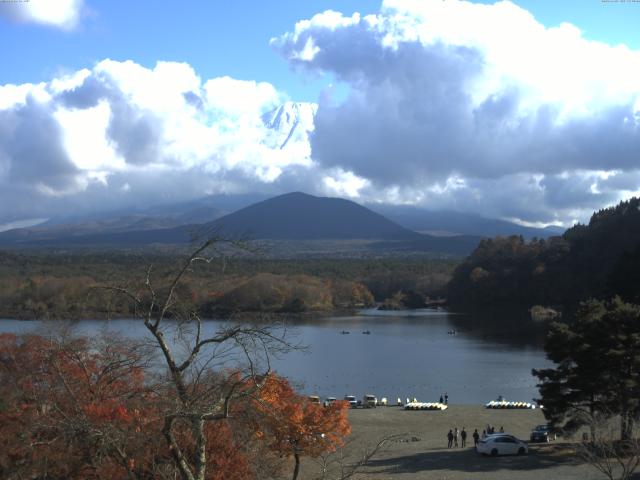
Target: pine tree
597	367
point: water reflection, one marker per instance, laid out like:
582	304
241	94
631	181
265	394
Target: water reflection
414	354
511	329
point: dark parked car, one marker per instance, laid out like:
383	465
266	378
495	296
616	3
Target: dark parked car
542	433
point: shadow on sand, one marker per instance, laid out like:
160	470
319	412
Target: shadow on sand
467	460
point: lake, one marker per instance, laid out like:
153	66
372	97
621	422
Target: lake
407	354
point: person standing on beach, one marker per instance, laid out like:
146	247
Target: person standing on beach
450	438
446	398
441	401
463	437
484	434
455	436
476	437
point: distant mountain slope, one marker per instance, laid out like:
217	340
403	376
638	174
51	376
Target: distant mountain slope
200	210
293	217
458	223
298	216
83	228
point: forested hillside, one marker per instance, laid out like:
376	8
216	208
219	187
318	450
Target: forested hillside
596	260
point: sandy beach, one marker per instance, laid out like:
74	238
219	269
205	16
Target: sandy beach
423	454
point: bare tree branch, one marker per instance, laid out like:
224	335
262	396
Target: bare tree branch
335	466
201	395
616	459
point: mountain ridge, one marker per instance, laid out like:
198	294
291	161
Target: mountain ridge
295	216
458	223
312	218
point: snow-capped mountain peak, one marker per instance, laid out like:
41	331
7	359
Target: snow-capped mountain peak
291	121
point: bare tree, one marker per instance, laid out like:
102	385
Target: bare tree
207	370
345	462
616	459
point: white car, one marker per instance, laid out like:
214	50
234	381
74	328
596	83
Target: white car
501	444
330	401
369	401
353	403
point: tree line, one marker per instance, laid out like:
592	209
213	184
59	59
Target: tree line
66	286
598	260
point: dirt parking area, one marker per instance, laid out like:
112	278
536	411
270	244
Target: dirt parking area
423	453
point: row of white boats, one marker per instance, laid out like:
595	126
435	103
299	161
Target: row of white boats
491	404
369	401
425	406
498	404
505	404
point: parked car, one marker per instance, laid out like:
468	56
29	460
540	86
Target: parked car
353	403
369	401
542	433
329	401
314	399
501	444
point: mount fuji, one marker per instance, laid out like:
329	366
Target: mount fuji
288	128
290	123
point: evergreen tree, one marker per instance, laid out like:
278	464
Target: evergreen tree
597	367
594	260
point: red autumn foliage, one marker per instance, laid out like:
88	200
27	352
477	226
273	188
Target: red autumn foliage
80	409
297	427
69	410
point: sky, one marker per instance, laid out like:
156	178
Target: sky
526	110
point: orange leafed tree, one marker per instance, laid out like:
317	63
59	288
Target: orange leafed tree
81	409
296	426
77	409
69	410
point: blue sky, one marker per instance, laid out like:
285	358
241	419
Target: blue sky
215	37
526	111
232	38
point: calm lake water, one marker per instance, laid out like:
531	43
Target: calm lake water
407	354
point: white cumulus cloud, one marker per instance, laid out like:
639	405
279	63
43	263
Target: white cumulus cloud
476	105
64	14
448	104
123	134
